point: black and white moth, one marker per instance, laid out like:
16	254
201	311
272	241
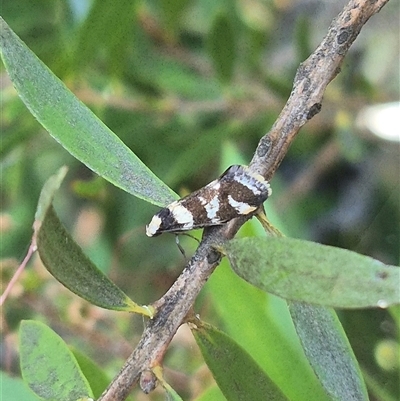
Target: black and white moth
235	193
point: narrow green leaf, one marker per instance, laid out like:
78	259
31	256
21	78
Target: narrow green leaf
65	260
172	395
14	389
314	273
395	314
236	373
329	352
378	389
47	193
222	46
48	366
107	27
96	376
91	189
211	394
172	12
74	126
262	325
303	37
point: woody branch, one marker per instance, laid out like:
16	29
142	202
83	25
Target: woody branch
311	79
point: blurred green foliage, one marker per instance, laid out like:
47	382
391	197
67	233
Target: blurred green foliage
182	84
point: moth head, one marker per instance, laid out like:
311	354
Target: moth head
152	229
160	222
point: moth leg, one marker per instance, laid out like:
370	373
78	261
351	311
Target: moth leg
191	236
180	246
182	251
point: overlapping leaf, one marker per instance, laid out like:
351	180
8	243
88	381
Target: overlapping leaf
48	366
324	341
65	260
72	124
314	273
236	373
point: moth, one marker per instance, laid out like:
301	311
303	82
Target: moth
235	193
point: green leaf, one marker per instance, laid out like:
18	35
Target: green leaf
65	260
172	395
14	389
48	191
48	366
236	373
91	189
314	273
395	314
222	46
303	37
329	352
211	394
73	125
172	12
96	377
262	325
379	389
107	26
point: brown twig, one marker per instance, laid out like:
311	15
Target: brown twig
310	82
31	250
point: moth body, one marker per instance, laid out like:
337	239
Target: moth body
235	193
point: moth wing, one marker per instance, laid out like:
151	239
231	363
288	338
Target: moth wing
243	190
205	204
235	193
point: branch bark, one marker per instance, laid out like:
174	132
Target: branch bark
311	79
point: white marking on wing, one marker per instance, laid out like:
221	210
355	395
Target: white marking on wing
248	182
182	215
262	180
153	227
269	189
256	176
215	185
212	208
241	207
202	200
